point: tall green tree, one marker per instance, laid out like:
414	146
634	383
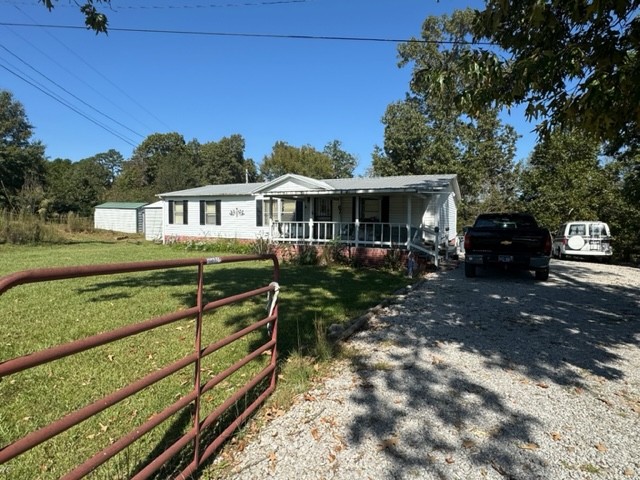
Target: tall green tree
564	180
419	139
111	161
76	186
571	63
21	158
304	160
429	134
343	162
141	177
58	186
223	162
90	182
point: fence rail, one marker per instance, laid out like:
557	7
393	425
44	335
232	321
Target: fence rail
200	351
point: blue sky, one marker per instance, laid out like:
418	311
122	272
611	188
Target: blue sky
301	91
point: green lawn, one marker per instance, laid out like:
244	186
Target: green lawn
41	315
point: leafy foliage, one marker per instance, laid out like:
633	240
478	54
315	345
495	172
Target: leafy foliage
573	64
93	19
161	163
563	180
21	159
429	134
332	162
343	163
223	162
304	160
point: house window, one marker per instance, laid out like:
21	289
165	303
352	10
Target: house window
369	210
210	212
288	210
178	212
269	209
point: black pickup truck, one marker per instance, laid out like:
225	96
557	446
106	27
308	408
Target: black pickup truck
508	240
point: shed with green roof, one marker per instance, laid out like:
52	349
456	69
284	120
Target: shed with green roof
126	217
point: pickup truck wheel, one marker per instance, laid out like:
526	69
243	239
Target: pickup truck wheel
542	275
469	270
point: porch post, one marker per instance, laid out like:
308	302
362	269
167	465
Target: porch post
357	215
408	221
311	215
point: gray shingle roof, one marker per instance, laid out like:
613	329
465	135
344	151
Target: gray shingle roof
215	190
402	182
418	183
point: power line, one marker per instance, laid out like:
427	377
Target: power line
71	93
209	5
261	35
100	74
69	106
179	7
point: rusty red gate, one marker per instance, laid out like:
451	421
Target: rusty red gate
201	453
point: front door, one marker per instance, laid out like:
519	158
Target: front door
322	213
322	209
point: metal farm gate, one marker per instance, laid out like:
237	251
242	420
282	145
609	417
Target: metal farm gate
264	380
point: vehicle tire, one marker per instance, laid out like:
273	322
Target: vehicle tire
542	275
469	270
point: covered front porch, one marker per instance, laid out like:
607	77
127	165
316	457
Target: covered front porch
414	213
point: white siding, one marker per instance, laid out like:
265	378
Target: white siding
452	213
289	186
237	218
397	209
116	219
153	223
430	209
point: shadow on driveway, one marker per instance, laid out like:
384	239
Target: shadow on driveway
560	332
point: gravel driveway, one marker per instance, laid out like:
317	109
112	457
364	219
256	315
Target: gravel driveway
496	377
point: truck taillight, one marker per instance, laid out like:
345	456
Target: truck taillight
547	245
467	241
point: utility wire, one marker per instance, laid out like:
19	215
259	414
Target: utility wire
71	93
259	35
69	106
177	7
101	74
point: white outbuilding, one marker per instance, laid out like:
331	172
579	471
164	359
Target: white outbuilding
153	221
124	217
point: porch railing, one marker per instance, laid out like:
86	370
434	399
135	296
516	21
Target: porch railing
426	240
353	233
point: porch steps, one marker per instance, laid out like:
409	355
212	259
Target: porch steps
425	252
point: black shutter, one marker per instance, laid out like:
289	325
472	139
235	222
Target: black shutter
185	212
353	209
218	213
384	214
203	208
259	213
170	212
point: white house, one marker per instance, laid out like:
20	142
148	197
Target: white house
124	217
408	212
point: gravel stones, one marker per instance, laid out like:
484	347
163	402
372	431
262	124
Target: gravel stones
495	377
